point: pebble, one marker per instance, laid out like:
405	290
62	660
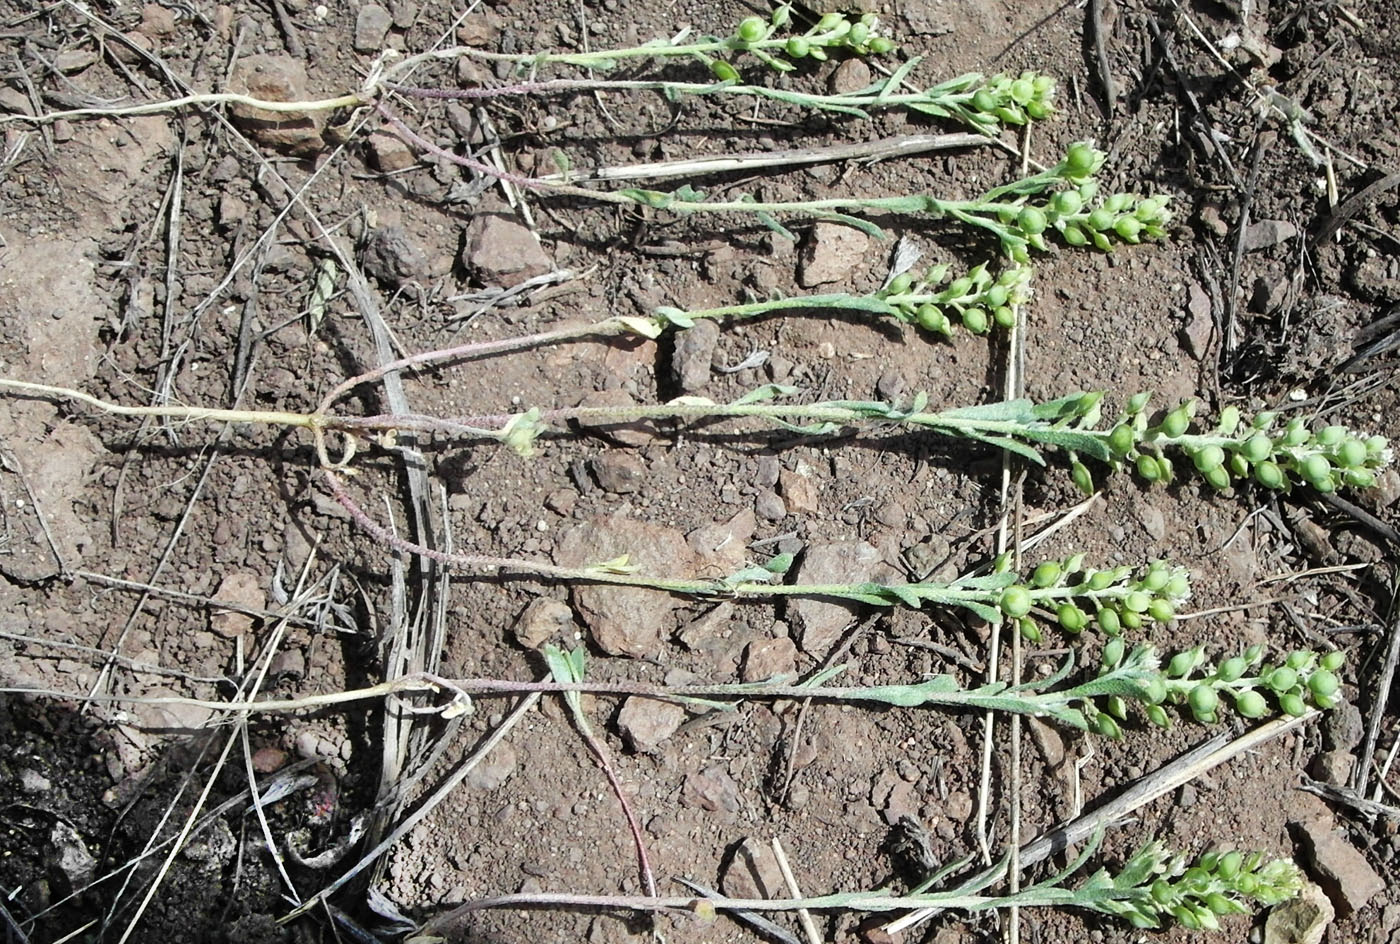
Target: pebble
240	589
277	79
494	769
763	660
799	491
389	152
621	473
1338	867
819	623
371	27
647	723
712	790
1342	727
394	258
1302	920
830	253
1200	322
1266	233
694	353
769	505
1332	767
853	75
543	620
501	251
753	872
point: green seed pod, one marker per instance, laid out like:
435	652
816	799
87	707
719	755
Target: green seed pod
1137	403
1010	114
1229	420
1251	705
1113	652
1316	470
1100	579
1031	221
1358	478
1175	423
1156	577
1130	619
1229	865
1295	434
1162	892
1074	236
1046	574
1121	440
975	320
1030	632
1282	679
1116	706
1219	904
1208	457
1203	701
1106	726
1081	477
1015	601
1237	466
1139	601
859	33
829	22
1292	705
996	296
1331	435
798	47
1257	448
1154	690
1148	468
1161	611
1181	664
1246	884
1108	622
1298	659
1177	588
1376	445
1066	203
1351	454
900	284
1218	478
1263	420
1323	683
958	288
752	29
1099	219
1044	84
983	100
1158	716
1071	617
1022	91
1333	661
1004	317
1269	475
1128	228
880	45
1325	702
1164	469
931	318
724	71
1081	160
1231	669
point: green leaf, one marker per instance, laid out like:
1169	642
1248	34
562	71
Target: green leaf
997	581
779	564
675	316
1003	411
865	226
768	220
891	85
1058	408
765	393
905	594
650	198
989	613
1010	445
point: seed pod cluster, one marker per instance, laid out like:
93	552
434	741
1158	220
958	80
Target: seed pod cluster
1303	680
834	31
978	300
1110	600
1197	894
1275	454
1004	99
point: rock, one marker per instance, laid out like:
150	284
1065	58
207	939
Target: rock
276	79
501	251
646	723
831	251
853	75
902	803
371	28
709	632
752	872
1266	233
769	505
958	806
232	210
1268	295
72	856
799	491
1301	920
624	434
269	760
1342	727
241	589
1200	323
1049	743
819	622
394	258
389	152
1337	866
712	790
404	12
288	664
494	769
695	350
621	473
33	782
1154	524
763	660
626	621
543	620
722	547
1332	767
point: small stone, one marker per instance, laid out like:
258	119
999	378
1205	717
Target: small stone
389	152
475	30
1266	233
288	664
1268	295
276	79
753	872
269	760
394	258
1188	797
712	790
1200	322
853	75
624	434
1342	727
829	254
799	491
902	803
403	12
232	210
722	547
763	660
33	782
646	723
241	589
494	769
694	353
501	251
1302	920
769	506
819	623
73	858
958	806
1338	867
1333	767
621	473
71	61
1048	742
891	385
371	27
543	620
1154	523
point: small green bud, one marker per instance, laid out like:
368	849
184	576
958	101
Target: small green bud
1292	705
880	45
1015	602
1333	661
1331	435
958	287
1074	236
798	47
1154	690
1127	228
1105	725
1030	632
860	32
1218	477
1113	652
1072	618
975	320
1181	663
1161	611
1257	448
1229	420
1108	622
1158	716
1203	701
1162	892
1376	445
1130	619
1004	317
1022	91
1295	434
1358	478
1031	221
1208	457
1177	588
931	318
1138	601
1298	659
1156	577
1269	475
1101	579
1046	575
1251	705
1282	679
1099	219
1231	669
1081	160
1122	439
724	71
1219	904
1066	203
1148	468
900	284
1137	403
1081	477
1351	454
829	22
1316	470
983	100
1229	865
1323	682
1264	420
1175	423
752	29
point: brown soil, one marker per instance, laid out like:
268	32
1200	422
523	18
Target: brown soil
162	256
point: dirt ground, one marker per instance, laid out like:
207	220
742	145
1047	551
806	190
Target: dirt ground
187	256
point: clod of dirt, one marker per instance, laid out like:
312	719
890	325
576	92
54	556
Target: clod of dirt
1199	322
542	620
1303	920
1338	867
71	855
1266	233
713	790
769	505
819	622
647	723
240	589
722	547
276	79
850	76
753	872
763	660
626	621
694	354
500	251
393	257
621	473
1342	728
1332	767
371	27
829	254
389	152
494	769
